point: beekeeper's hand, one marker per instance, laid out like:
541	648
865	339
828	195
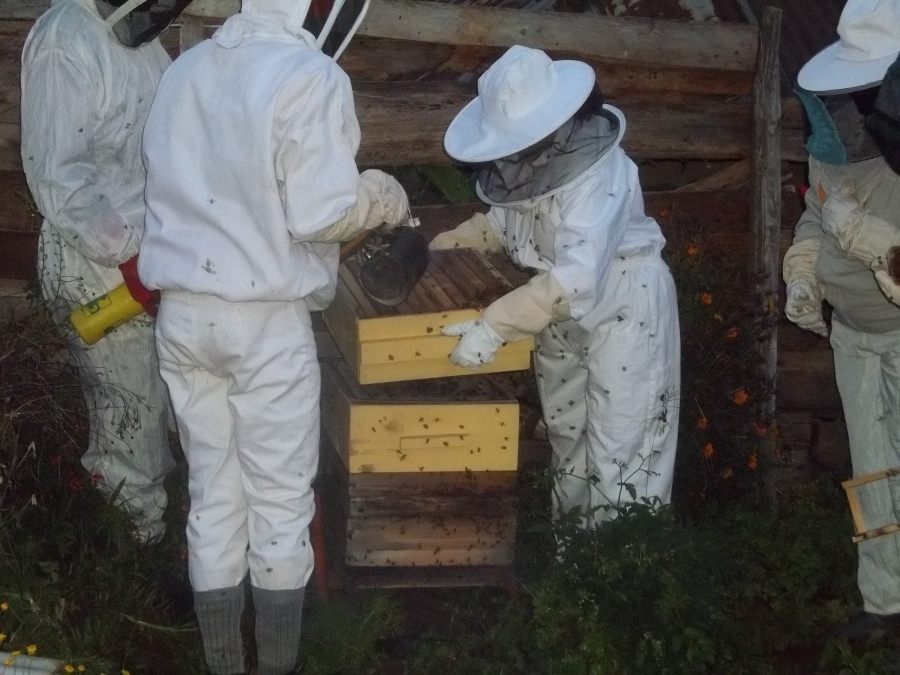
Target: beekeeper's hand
478	343
389	195
148	299
804	307
842	214
475	233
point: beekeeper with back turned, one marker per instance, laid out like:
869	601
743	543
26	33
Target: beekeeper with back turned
89	73
566	205
840	254
251	182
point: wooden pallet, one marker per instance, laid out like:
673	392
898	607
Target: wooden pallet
403	343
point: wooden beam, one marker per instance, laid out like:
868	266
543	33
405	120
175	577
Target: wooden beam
718	46
190	33
765	218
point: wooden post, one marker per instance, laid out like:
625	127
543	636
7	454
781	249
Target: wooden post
191	32
765	224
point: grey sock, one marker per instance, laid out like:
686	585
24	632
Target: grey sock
219	615
277	629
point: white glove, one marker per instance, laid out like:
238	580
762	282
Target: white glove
842	214
475	233
888	286
478	343
388	192
804	307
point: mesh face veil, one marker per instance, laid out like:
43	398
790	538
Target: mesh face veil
137	22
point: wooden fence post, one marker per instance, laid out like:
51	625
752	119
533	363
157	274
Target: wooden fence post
191	32
765	223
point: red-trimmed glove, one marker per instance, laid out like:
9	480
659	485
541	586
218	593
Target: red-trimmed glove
148	299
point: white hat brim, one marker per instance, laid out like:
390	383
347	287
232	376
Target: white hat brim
473	139
827	73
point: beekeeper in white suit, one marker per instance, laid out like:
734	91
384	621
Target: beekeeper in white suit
251	181
839	254
89	73
566	204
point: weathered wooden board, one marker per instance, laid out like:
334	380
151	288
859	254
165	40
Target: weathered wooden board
454	424
404	342
404	520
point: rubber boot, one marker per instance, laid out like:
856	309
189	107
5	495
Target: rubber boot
219	615
278	616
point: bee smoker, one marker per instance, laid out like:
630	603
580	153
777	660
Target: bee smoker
391	263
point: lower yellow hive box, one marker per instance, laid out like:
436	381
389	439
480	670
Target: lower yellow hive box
404	342
448	424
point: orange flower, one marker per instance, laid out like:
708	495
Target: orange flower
665	213
727	473
751	461
731	333
740	396
691	250
706	298
702	422
708	450
760	429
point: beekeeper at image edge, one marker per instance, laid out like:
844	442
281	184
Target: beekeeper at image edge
89	73
839	254
566	204
251	181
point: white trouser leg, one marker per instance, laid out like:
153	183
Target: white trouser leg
126	399
609	387
244	382
867	368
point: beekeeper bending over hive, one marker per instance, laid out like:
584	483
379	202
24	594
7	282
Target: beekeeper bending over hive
251	181
566	205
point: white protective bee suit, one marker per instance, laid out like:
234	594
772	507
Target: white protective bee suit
839	254
601	303
250	149
85	98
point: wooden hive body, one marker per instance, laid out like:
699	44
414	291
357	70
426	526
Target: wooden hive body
447	498
404	342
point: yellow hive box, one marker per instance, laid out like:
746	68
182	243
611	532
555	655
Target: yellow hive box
451	424
393	344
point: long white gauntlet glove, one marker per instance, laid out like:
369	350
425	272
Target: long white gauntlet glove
381	199
803	305
478	343
475	233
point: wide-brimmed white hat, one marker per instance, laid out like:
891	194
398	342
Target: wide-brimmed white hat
869	43
522	98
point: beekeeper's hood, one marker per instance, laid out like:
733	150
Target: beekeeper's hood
333	23
137	22
838	86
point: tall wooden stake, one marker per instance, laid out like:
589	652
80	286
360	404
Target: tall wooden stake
765	225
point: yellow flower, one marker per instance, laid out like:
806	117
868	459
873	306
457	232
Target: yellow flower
31	649
706	298
18	652
4	606
2	637
740	396
717	317
8	662
69	669
125	672
708	450
81	668
727	473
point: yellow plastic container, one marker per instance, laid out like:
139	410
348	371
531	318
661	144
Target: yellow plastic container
104	314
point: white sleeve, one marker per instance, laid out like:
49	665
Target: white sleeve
318	138
58	135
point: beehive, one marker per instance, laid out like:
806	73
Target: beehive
404	342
